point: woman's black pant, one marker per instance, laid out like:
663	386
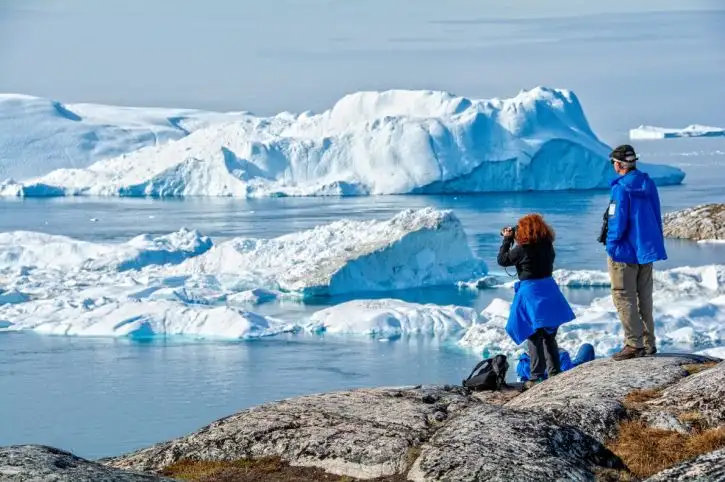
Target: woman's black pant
544	354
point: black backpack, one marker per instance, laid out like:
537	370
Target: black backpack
488	374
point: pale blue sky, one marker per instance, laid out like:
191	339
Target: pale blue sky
272	55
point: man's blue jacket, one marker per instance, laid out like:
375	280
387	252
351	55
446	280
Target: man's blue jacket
635	221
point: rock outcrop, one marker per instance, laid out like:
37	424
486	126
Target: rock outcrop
361	433
496	444
591	397
705	468
376	432
37	463
704	222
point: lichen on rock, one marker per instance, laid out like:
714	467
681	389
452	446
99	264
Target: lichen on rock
497	444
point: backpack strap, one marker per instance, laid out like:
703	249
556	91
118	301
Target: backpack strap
500	366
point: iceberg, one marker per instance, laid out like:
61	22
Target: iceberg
563	277
718	352
390	317
414	249
148	319
12	297
643	132
180	283
368	143
41	135
21	249
489	336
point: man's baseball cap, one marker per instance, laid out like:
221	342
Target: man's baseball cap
624	154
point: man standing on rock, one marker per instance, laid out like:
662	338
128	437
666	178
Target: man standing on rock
634	242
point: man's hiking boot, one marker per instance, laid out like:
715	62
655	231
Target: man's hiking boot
650	351
627	353
531	383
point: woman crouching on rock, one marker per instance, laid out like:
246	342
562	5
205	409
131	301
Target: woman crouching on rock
539	308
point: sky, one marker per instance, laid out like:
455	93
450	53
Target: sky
274	55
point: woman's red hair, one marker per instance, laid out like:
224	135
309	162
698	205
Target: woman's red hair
532	228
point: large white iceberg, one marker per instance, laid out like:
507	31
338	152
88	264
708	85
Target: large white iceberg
390	142
390	317
40	135
413	249
642	133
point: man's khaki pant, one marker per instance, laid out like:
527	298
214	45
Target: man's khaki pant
632	293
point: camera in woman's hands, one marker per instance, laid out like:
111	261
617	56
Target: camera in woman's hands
508	231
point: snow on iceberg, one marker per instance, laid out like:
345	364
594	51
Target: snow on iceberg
420	248
40	135
20	249
689	315
146	319
390	317
12	297
694	130
390	142
718	352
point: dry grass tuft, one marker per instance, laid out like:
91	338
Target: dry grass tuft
695	368
639	397
647	451
268	469
694	419
613	475
188	469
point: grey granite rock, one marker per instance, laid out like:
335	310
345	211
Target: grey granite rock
702	222
702	394
491	443
590	397
664	420
705	468
37	463
360	433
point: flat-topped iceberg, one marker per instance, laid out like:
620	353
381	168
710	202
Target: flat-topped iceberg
393	142
413	249
40	135
642	133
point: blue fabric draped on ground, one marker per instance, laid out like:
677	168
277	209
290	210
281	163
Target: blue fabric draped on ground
538	303
585	354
